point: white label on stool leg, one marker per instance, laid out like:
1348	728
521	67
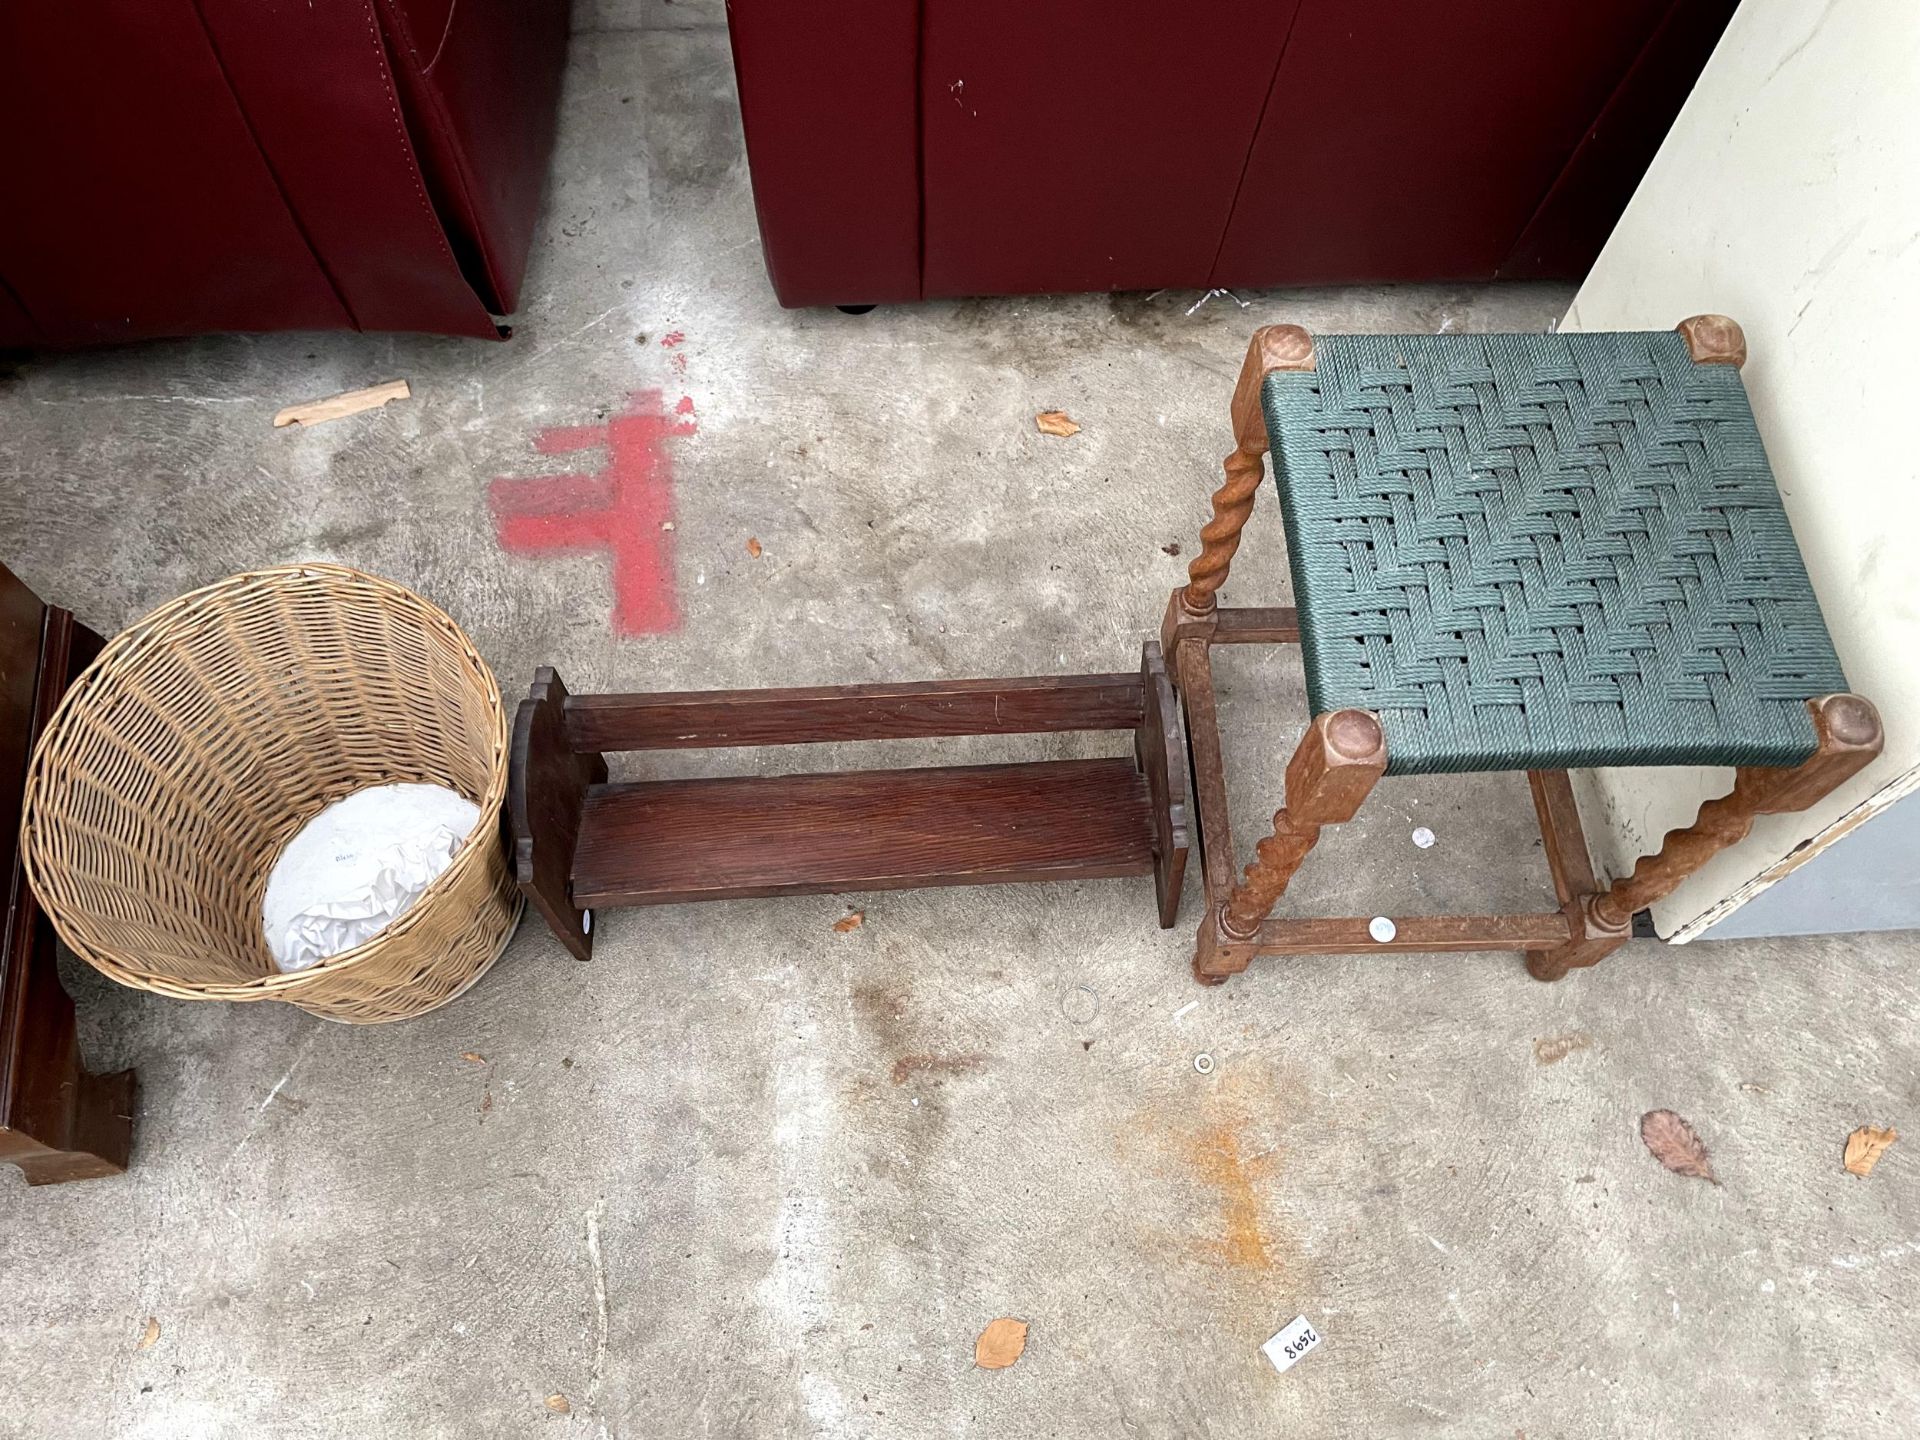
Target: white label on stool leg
1381	929
1286	1348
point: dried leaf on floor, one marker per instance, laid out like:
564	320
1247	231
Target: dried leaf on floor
150	1336
1865	1146
850	922
1000	1344
1552	1049
753	547
348	402
473	1057
559	1404
1056	422
1672	1142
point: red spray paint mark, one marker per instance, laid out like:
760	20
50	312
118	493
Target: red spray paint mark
621	510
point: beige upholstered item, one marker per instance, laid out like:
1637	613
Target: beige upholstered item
209	732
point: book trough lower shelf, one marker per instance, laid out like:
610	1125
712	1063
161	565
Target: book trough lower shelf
582	843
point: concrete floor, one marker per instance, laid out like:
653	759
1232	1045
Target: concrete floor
747	1176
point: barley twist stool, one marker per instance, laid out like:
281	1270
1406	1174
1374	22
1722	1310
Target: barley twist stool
1512	552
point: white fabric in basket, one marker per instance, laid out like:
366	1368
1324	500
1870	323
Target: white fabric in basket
357	866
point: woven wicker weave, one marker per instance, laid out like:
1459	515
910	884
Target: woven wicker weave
184	759
1544	551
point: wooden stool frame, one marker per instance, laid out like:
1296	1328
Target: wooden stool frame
1343	755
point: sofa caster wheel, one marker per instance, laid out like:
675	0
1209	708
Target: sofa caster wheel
853	309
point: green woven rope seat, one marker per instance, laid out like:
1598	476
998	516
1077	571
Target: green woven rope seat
1544	551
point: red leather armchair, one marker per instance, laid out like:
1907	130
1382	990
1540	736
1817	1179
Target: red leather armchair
980	147
179	166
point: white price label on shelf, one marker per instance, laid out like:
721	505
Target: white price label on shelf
1286	1348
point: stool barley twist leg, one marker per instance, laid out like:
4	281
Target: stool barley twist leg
1849	736
1274	347
1220	536
1341	757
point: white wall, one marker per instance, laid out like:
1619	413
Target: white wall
1788	196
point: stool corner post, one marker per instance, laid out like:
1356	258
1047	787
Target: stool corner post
1338	762
1180	623
1218	956
1850	736
1848	739
1272	348
1714	340
1593	940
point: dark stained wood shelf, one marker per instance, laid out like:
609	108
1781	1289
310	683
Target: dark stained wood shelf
582	844
658	842
916	710
58	1121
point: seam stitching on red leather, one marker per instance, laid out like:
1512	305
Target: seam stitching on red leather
273	173
445	35
479	235
397	18
430	99
1259	123
406	147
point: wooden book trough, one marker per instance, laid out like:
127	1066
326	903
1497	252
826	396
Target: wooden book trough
581	844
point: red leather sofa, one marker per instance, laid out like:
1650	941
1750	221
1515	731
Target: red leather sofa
972	147
179	166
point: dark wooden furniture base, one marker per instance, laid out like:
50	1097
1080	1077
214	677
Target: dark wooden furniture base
57	1121
582	844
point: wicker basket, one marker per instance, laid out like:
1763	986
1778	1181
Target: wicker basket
203	738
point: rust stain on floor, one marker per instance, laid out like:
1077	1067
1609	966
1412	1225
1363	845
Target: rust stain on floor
1219	1153
1217	1156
